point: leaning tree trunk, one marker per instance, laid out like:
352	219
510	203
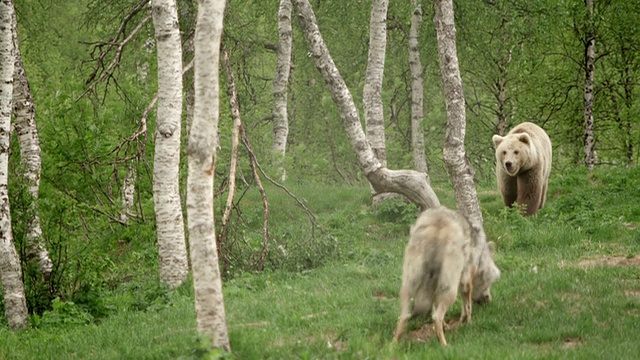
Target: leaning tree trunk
417	90
280	81
456	160
15	304
172	251
372	91
412	184
30	157
589	65
202	147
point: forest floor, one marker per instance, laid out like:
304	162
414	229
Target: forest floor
570	288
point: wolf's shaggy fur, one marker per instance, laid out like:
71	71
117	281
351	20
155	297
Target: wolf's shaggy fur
438	261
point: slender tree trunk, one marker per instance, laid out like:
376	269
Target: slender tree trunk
455	157
412	184
128	192
280	81
589	68
202	147
372	91
626	123
235	135
15	305
501	88
30	156
169	221
417	90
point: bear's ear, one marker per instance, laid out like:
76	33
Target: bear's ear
524	138
497	139
492	246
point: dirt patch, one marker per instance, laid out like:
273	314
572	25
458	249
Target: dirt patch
570	343
428	331
380	295
632	293
611	261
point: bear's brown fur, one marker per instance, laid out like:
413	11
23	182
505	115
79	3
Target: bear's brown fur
523	165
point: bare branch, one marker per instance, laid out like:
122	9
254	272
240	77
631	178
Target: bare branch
100	73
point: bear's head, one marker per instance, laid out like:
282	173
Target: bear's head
514	152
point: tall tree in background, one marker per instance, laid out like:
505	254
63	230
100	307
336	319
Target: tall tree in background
172	250
202	146
455	157
30	157
372	91
15	305
280	82
589	70
621	41
412	184
417	90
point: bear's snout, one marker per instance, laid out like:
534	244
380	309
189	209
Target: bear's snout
508	165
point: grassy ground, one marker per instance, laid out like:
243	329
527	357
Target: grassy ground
570	288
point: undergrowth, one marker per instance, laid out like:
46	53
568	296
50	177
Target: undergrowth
329	290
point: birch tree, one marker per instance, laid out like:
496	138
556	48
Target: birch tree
412	184
202	147
372	91
417	90
455	157
128	192
280	81
30	156
589	69
15	304
172	251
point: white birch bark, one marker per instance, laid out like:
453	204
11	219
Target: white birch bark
15	305
417	90
455	157
202	147
235	134
280	81
412	184
172	251
589	68
372	90
128	192
30	157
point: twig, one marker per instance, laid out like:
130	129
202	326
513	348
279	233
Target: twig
100	71
314	221
265	225
235	113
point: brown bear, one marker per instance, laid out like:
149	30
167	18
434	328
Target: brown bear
523	165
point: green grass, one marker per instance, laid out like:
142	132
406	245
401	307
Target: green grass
549	304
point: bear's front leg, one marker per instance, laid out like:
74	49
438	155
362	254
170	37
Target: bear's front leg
508	187
529	192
